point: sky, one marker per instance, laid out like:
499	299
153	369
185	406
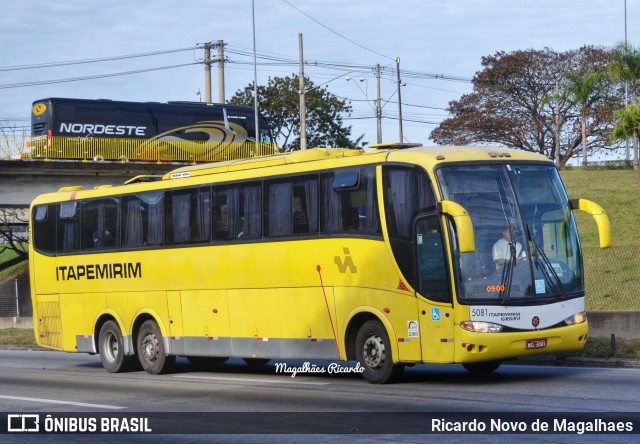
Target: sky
440	45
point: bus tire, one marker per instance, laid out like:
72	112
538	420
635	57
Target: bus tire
111	348
482	368
150	349
373	352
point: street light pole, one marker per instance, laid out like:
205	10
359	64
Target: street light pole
399	101
303	109
378	106
255	77
207	72
220	46
626	86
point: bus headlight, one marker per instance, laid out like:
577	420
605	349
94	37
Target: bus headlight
577	318
481	327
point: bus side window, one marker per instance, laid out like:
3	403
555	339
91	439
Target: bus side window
100	224
220	215
331	214
238	212
251	216
305	206
431	260
68	229
133	234
365	203
189	216
202	216
291	207
407	191
352	205
279	208
143	219
44	228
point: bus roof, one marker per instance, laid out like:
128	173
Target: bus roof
432	155
310	155
428	157
108	103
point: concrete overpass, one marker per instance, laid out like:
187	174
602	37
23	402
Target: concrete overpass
22	180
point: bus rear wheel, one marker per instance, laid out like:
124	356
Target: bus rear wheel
111	348
373	352
151	352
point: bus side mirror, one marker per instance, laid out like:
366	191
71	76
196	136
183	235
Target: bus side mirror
602	221
461	218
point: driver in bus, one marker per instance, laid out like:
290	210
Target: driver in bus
502	249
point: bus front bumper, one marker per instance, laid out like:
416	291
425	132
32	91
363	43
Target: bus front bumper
478	347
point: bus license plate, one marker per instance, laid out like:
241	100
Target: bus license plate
536	343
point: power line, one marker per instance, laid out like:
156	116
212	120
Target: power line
336	33
271	60
84	61
267	60
98	76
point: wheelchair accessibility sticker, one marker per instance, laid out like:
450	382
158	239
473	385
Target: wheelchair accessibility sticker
435	314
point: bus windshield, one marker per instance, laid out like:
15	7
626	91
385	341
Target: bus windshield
527	245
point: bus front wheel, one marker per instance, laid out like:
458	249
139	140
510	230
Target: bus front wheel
111	348
150	348
373	352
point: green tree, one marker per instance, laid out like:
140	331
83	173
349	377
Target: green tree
11	238
585	91
279	101
510	104
625	67
627	123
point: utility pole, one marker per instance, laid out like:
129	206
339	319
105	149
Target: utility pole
303	109
220	46
557	124
256	121
378	106
626	86
207	72
399	102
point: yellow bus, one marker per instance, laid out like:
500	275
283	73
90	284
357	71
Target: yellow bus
389	258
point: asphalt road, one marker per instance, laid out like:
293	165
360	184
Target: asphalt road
244	402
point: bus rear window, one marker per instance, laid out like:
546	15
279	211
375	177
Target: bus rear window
44	228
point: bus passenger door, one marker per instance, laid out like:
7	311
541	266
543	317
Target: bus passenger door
434	291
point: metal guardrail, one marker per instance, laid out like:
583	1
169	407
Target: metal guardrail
15	296
149	150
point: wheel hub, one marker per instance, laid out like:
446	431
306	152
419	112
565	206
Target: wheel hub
111	346
374	352
150	347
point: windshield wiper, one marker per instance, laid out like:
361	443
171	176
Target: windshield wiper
507	270
547	263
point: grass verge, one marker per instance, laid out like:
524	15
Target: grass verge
17	336
9	272
610	274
